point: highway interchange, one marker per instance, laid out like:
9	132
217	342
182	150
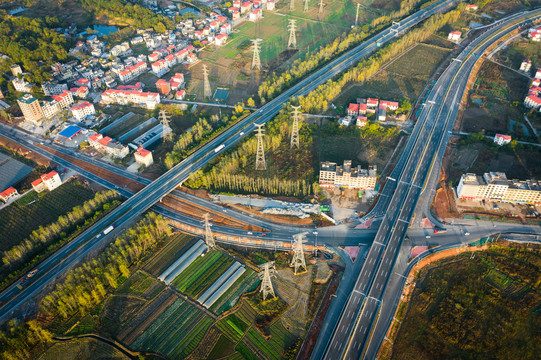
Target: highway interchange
396	204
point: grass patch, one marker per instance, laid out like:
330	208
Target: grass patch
456	313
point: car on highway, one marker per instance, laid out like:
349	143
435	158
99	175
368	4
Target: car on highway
241	133
250	233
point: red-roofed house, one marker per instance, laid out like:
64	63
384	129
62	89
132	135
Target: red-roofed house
472	7
536	90
362	121
362	109
255	15
454	35
159	66
8	194
535	82
171	60
64	100
136	86
246	6
235	15
502	139
532	102
163	86
80	92
221	39
180	94
125	97
372	105
131	72
49	181
199	35
108	146
176	81
214	25
83	82
389	105
153	57
271	5
535	35
237	3
82	110
170	49
143	156
225	28
353	109
233	9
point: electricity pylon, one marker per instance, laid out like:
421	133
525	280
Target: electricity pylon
207	92
265	275
295	141
209	238
167	133
260	163
292	5
305	5
292	43
256	61
298	252
357	15
320	6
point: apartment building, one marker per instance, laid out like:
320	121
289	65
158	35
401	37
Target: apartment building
496	186
125	97
30	108
331	174
82	110
49	181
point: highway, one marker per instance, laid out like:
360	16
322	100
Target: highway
78	248
352	333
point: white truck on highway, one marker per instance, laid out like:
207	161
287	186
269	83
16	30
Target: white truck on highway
219	148
108	230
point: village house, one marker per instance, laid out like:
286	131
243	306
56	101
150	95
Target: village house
143	157
49	181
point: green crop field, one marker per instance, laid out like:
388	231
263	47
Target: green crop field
202	273
18	220
85	348
248	281
254	340
174	330
173	249
232	327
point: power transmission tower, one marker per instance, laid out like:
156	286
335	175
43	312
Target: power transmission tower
256	61
320	6
292	43
260	163
295	129
292	5
357	15
268	271
305	5
207	92
209	238
298	252
167	133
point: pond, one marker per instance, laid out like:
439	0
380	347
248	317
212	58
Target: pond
102	30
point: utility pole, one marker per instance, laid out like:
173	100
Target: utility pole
357	15
305	5
209	238
167	133
256	61
298	252
295	141
260	163
320	6
292	5
268	271
292	43
207	92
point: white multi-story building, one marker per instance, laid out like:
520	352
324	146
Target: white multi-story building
50	108
143	156
21	85
82	110
502	139
48	181
136	97
132	72
331	174
64	100
496	186
50	89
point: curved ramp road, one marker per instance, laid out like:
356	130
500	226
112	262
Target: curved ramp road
152	193
354	330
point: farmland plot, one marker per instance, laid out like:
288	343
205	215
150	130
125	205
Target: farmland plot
249	281
176	331
174	248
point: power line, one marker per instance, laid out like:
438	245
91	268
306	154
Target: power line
260	163
298	260
256	61
268	271
292	43
305	5
167	132
357	15
209	238
295	141
207	92
320	6
292	5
